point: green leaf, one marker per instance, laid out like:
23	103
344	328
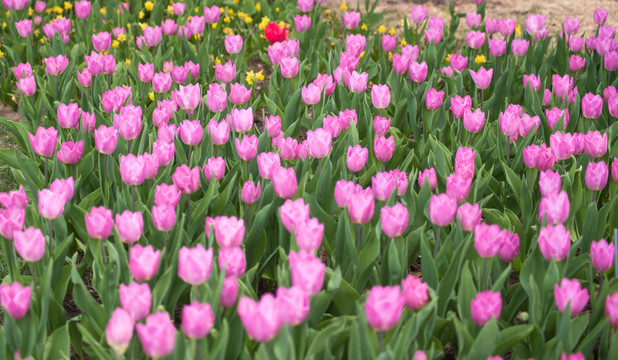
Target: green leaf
512	336
57	346
485	343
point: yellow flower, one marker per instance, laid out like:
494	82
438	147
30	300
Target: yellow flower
37	32
58	9
141	14
103	11
258	7
332	43
343	6
479	59
214	26
221	10
447	58
392	31
248	19
122	37
362	54
197	36
363	27
249	77
264	22
30	11
518	29
390	56
381	29
68	5
260	75
277	9
236	2
4	25
127	62
170	9
217	60
197	9
8	13
42	40
143	25
226	19
1	54
403	42
115	43
148	5
151	96
230	11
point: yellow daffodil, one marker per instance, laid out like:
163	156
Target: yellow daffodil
343	6
363	27
214	26
403	42
381	29
115	43
141	14
151	96
258	7
122	37
479	59
103	11
518	29
127	62
68	5
30	11
392	31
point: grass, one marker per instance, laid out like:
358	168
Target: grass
7	182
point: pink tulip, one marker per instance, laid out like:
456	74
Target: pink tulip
307	272
469	216
229	231
22	70
482	77
102	41
554	115
239	95
434	99
356	157
497	47
197	319
309	234
418	14
488	239
384	307
15	299
576	63
509	247
351	19
415	292
211	14
418	72
119	330
394	220
319	143
250	193
44	141
157	335
130	226
302	23
383	148
99	223
294	212
361	206
473	121
260	319
30	244
346	116
561	85
64	188
241	119
358	82
464	162
136	299
597	175
82	9
293	305
24	27
549	182
475	39
601	252
70	153
484	306
187	180
51	204
247	148
459	105
595	145
217	97
615	169
380	96
332	124
194	264
382	185
570	25
554	242
570	292
14	199
433	35
143	261
229	292
267	164
519	47
225	72
430	176
189	97
163	217
132	169
56	65
285	183
592	106
27	85
232	261
311	94
161	82
507	27
458	186
562	145
555	208
389	42
611	309
442	209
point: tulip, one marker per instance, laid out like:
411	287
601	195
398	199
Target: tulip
225	73
27	85
473	121
194	264
458	186
592	106
311	94
24	27
44	141
82	9
102	41
601	252
383	148
475	39
433	35
519	47
381	125
217	97
418	72
15	299
129	125
211	14
488	239
30	244
229	292
442	209
22	70
267	163
285	183
309	234
214	169
561	85
136	299
482	77
418	14
307	272
615	169
56	65
250	193
157	335
556	114
132	169
143	261
469	216
595	145
570	291
232	261
497	47
239	95
549	183
302	23
509	247
361	206
51	204
356	157
562	145
351	19
389	42
14	199
260	319
186	179
597	175
434	99
415	292
241	119
611	309
119	330
197	320
384	307
163	217
70	152
293	213
394	220
130	226
555	208
576	63
484	306
99	223
346	116
507	27
293	305
229	231
383	184
554	242
430	175
64	188
319	143
358	82
600	16
380	96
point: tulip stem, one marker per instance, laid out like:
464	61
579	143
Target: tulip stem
437	244
319	168
57	95
601	276
198	349
51	241
189	155
484	273
103	255
143	94
165	248
398	87
249	217
46	171
133	197
508	150
594	196
359	234
564	167
33	271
